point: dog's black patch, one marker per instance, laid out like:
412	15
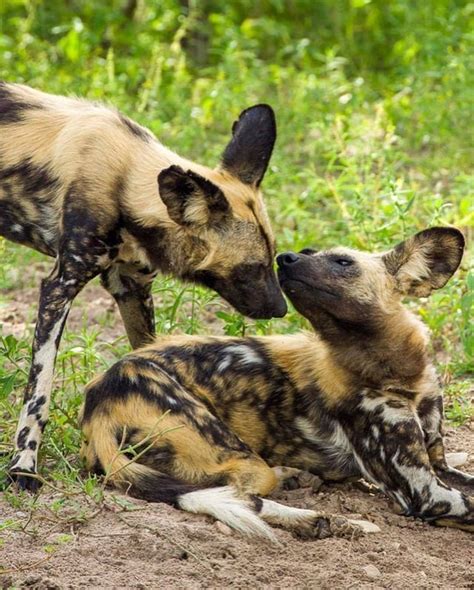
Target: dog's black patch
12	109
34	406
135	129
29	216
22	436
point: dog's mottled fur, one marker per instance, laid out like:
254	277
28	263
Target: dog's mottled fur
359	397
83	184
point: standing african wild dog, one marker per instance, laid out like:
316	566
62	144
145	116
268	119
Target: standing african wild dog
358	398
78	182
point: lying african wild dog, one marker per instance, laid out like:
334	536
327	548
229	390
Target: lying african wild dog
358	398
87	186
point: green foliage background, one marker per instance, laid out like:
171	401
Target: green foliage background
374	102
375	97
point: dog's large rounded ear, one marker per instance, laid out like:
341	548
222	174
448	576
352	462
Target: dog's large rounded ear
426	261
191	199
253	137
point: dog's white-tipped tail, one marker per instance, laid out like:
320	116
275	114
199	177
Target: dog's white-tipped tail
223	504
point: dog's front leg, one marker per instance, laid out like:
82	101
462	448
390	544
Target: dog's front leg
430	412
386	435
57	293
131	289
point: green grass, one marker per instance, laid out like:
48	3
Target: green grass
374	105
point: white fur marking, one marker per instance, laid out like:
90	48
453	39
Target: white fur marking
224	505
389	415
45	357
276	513
246	354
224	364
418	478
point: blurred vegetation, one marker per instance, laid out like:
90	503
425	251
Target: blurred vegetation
374	101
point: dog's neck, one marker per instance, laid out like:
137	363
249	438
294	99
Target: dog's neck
393	356
148	231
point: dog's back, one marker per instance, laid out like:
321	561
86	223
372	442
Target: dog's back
47	143
32	124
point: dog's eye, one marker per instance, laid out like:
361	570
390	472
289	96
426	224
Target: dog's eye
344	262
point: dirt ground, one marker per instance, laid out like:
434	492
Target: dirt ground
133	544
125	543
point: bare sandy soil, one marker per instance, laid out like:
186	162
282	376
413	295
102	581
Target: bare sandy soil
123	543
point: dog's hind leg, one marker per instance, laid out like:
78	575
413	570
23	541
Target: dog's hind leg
291	478
131	289
306	523
430	412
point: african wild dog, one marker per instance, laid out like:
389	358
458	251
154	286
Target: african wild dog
83	184
358	398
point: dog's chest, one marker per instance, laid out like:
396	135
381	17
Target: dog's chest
132	252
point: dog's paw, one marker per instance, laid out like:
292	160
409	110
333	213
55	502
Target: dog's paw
24	481
324	526
457	479
302	479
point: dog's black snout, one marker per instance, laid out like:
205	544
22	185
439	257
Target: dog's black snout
287	258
